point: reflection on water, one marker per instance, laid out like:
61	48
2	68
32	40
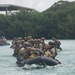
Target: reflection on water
66	56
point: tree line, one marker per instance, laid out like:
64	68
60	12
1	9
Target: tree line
57	21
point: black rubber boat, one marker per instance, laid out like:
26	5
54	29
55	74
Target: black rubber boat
4	44
39	60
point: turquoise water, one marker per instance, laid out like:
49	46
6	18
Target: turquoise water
66	56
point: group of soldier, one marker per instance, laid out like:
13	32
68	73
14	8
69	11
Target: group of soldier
28	48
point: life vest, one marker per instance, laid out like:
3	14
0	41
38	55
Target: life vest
32	55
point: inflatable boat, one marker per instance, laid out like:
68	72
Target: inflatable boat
39	60
4	44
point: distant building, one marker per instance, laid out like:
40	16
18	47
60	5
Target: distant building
9	8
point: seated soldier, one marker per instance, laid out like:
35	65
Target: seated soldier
47	51
50	52
57	43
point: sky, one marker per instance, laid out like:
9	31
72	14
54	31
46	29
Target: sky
39	5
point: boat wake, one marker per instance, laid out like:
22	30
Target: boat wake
34	66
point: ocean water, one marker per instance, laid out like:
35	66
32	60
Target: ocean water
66	57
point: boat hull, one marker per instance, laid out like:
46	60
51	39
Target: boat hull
39	60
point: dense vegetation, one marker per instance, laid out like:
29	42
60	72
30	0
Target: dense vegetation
58	21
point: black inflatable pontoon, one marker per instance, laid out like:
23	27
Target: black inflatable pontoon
39	60
4	44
